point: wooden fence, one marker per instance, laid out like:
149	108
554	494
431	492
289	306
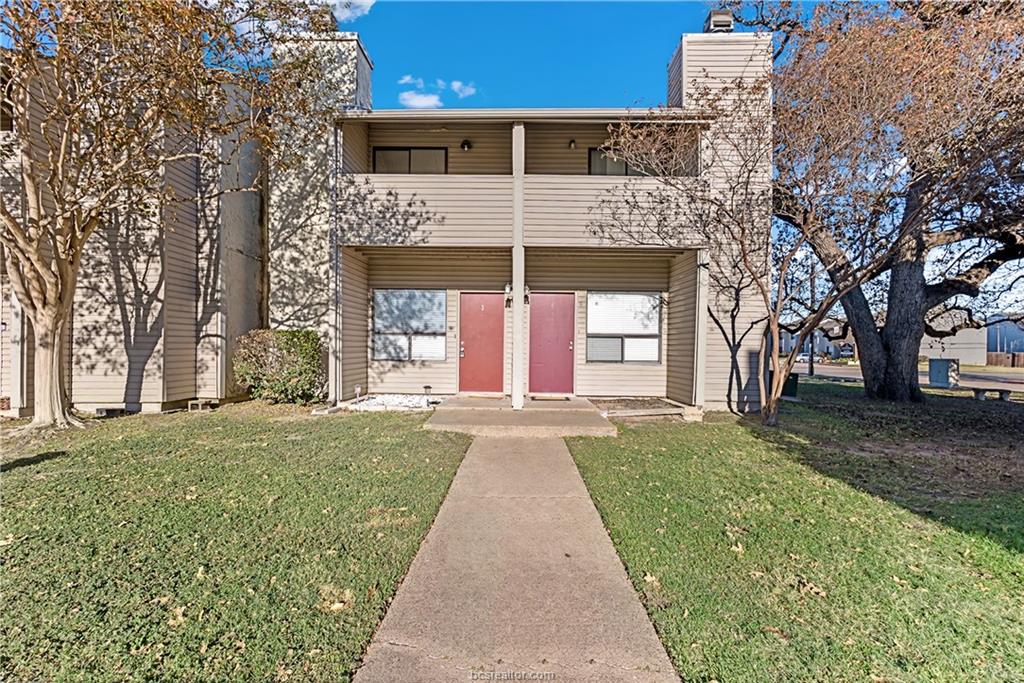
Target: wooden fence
1006	360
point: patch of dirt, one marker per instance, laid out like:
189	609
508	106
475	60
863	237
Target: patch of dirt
942	469
631	404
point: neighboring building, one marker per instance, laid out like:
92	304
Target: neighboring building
159	301
1007	335
470	267
969	346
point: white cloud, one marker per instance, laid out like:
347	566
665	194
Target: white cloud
440	84
407	79
463	89
420	100
350	10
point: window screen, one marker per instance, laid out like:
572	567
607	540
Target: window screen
410	160
409	324
623	327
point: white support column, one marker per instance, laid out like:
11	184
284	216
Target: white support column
700	345
518	267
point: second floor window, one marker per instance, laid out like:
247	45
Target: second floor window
601	164
410	160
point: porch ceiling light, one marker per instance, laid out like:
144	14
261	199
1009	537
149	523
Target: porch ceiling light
572	144
466	145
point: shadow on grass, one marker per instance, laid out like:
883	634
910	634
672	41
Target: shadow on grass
30	460
952	459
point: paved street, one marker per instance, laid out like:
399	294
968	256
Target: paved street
990	377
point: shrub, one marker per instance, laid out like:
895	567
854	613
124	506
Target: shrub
281	366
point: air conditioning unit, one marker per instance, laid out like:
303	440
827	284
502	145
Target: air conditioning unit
718	21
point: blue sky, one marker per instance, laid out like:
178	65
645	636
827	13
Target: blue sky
521	54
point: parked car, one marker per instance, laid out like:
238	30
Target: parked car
846	352
803	357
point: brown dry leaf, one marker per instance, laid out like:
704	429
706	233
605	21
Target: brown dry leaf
333	600
776	632
177	617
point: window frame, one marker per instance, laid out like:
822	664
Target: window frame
623	337
408	149
401	333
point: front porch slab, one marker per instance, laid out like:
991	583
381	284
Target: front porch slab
539	418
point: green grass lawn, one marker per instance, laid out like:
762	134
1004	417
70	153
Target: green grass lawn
251	543
860	541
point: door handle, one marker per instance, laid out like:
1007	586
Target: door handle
462	350
570	345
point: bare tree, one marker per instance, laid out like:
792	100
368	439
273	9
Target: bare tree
104	97
931	96
724	203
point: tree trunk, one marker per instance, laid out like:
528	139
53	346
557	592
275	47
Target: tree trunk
870	350
903	331
50	405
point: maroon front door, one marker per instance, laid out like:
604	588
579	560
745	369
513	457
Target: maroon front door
552	332
481	341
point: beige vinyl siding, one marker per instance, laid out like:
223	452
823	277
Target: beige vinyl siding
447	210
210	315
675	78
580	272
355	306
547	147
180	282
355	147
716	60
6	327
492	143
229	265
455	271
119	318
682	318
560	210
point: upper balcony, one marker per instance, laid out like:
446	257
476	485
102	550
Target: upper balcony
453	179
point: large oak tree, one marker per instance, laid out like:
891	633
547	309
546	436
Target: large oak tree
946	81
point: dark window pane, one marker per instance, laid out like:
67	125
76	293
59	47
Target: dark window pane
391	161
427	161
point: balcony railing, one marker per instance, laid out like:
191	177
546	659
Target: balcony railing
436	210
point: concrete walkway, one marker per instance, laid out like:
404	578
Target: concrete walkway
516	575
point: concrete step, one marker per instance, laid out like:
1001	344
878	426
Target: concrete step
523	423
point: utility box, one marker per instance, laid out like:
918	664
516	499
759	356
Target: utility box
944	372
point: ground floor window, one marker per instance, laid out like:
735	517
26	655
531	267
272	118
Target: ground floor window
409	324
623	327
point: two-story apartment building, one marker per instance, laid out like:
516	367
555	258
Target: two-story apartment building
463	259
447	251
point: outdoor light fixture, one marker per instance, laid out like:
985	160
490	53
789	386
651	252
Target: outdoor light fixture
466	145
526	294
508	295
572	144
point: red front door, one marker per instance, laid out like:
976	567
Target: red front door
552	331
481	341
